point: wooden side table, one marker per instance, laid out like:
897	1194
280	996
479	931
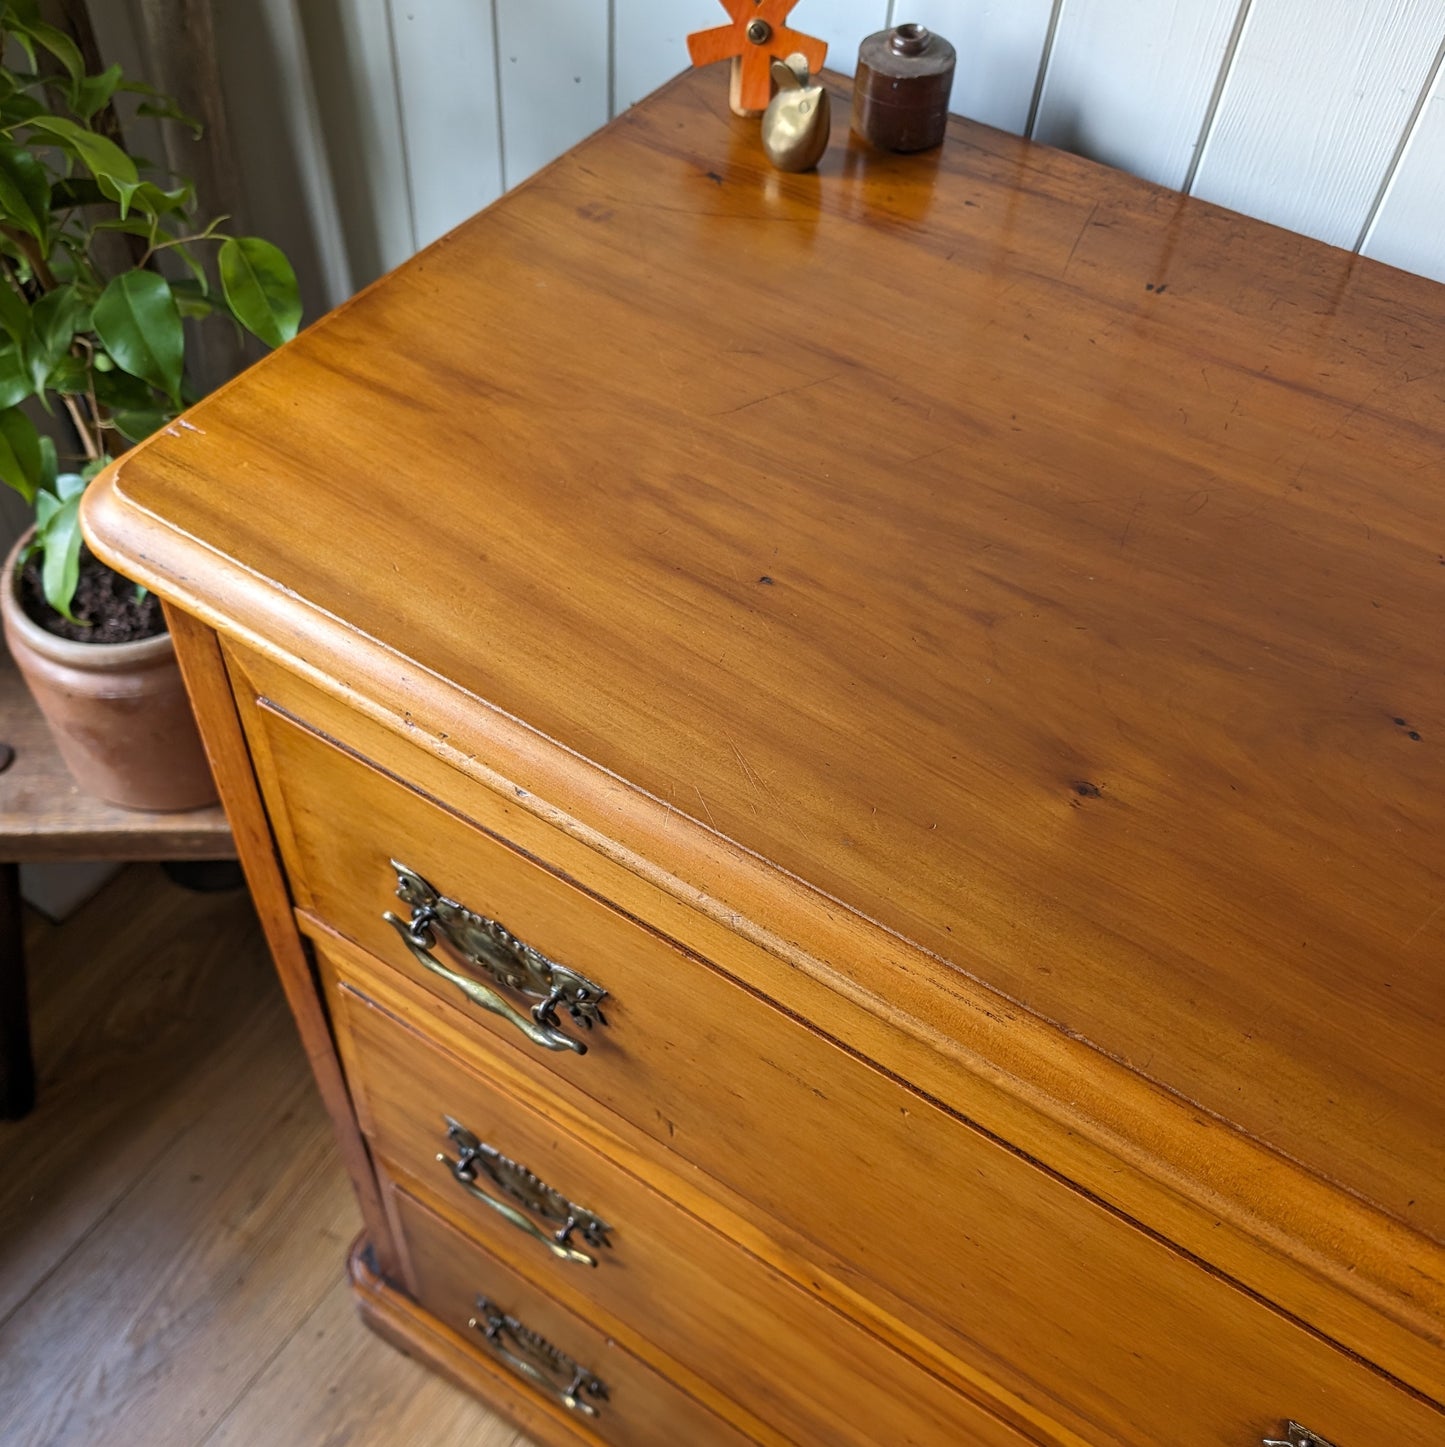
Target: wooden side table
44	816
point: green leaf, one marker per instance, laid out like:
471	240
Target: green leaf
157	202
14	313
55	319
19	108
49	464
192	298
161	106
14	376
26	44
75	191
104	159
57	42
139	324
24	192
118	391
138	424
21	460
70	376
260	288
132	226
57	526
91	92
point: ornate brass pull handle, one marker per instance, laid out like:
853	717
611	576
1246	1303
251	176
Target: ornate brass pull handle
476	1157
1296	1436
536	1359
508	963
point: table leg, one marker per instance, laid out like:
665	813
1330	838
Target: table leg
17	1069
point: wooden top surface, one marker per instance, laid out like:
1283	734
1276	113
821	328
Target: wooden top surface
1046	566
45	815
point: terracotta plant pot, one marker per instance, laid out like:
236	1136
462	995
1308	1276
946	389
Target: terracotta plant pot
118	711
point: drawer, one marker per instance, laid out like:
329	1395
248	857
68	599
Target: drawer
552	1351
1070	1308
755	1336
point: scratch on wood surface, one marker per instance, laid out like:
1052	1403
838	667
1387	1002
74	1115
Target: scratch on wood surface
1128	526
932	452
1425	923
1089	221
703	802
781	392
753	781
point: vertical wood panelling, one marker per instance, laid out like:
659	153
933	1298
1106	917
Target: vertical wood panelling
1409	228
368	127
652	42
275	127
1311	115
447	82
349	43
1131	84
1000	45
554	69
843	24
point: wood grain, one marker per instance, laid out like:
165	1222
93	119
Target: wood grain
664	1281
1287	1236
332	1382
44	815
1264	856
169	1242
393	1315
642	1408
874	1174
1063	698
121	1034
209	688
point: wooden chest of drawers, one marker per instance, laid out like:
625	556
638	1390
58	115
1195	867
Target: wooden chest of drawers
844	775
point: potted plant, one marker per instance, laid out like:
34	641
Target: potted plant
103	263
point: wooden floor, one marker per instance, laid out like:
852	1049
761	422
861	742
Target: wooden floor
173	1219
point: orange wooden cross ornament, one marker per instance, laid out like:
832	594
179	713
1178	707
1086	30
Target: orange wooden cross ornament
758	33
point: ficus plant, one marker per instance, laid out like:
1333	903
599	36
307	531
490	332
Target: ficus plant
103	259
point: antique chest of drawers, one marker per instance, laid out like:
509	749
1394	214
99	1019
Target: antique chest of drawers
844	773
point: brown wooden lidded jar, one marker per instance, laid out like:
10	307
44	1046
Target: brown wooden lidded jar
901	89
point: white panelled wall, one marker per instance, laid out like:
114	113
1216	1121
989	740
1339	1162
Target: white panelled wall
399	118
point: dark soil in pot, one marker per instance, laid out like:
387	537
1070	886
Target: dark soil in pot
105	601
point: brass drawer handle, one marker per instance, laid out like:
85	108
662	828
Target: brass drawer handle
510	964
1296	1436
535	1358
476	1157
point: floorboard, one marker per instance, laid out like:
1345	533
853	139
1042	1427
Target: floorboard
173	1218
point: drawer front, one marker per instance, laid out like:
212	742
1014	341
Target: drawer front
1070	1308
781	1354
550	1350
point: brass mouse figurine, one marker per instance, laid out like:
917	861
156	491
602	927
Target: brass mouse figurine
798	118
